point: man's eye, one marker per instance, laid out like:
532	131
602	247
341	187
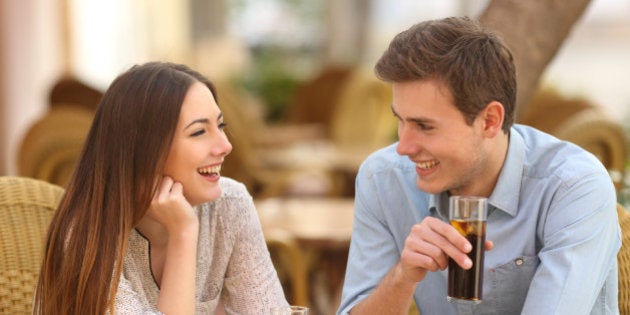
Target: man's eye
425	127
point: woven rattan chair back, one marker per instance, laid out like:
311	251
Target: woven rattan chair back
51	146
26	208
623	259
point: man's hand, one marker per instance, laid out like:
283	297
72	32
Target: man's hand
428	247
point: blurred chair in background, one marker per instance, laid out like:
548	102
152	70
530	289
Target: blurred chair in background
623	259
26	208
582	123
315	100
70	90
362	119
52	144
290	265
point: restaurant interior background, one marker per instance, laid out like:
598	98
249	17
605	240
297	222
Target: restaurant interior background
267	49
41	40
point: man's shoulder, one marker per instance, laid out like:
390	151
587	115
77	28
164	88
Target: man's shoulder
547	155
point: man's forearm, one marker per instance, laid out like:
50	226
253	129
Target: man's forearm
392	296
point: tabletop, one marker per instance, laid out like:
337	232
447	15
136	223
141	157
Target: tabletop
324	222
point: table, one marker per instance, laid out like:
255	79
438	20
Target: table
322	228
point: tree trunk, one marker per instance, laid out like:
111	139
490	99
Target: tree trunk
347	27
534	31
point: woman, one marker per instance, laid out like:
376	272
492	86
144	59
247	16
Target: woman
147	225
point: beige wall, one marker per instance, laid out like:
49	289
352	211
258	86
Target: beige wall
3	123
31	61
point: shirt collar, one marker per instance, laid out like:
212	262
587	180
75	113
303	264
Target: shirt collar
505	195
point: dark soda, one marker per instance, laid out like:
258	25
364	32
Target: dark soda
468	284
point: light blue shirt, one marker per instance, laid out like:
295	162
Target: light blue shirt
552	219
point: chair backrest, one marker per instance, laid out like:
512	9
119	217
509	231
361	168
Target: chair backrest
26	208
51	147
623	259
314	101
363	117
581	122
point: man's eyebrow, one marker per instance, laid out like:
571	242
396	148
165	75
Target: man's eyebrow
417	120
420	120
200	120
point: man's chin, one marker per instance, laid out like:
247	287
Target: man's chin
428	187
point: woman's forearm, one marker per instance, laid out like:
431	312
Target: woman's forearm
177	291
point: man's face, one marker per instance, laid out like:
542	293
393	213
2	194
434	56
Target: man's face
449	154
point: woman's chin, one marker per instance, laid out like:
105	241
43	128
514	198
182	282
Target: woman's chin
208	196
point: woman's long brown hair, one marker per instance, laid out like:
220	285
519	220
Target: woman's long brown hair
111	188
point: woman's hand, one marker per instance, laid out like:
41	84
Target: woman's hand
170	208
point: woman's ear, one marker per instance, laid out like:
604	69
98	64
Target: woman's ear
493	116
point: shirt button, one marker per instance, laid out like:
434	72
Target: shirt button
518	261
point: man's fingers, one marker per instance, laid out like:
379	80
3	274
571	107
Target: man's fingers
453	244
489	245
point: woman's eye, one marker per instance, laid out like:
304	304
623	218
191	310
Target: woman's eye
222	125
198	133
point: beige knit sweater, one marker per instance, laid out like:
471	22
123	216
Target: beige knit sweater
233	263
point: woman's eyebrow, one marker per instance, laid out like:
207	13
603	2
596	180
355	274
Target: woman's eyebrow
200	120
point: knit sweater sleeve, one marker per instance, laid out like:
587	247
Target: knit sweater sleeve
251	283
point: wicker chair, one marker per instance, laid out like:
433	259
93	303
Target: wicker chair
623	259
52	145
583	123
26	208
363	119
290	265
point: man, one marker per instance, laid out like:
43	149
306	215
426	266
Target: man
552	226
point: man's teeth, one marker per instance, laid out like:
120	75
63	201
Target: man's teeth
209	170
426	165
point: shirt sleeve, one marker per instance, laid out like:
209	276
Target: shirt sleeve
580	241
251	283
373	251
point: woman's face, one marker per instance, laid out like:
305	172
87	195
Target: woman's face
199	146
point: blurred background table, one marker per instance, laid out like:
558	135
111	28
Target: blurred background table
321	229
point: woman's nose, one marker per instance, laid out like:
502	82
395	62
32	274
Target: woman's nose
222	145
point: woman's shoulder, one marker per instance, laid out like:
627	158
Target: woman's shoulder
231	188
234	203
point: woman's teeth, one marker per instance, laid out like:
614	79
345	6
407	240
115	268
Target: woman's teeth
209	170
426	165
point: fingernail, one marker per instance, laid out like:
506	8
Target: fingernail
467	248
467	263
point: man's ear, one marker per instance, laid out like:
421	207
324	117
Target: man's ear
492	118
